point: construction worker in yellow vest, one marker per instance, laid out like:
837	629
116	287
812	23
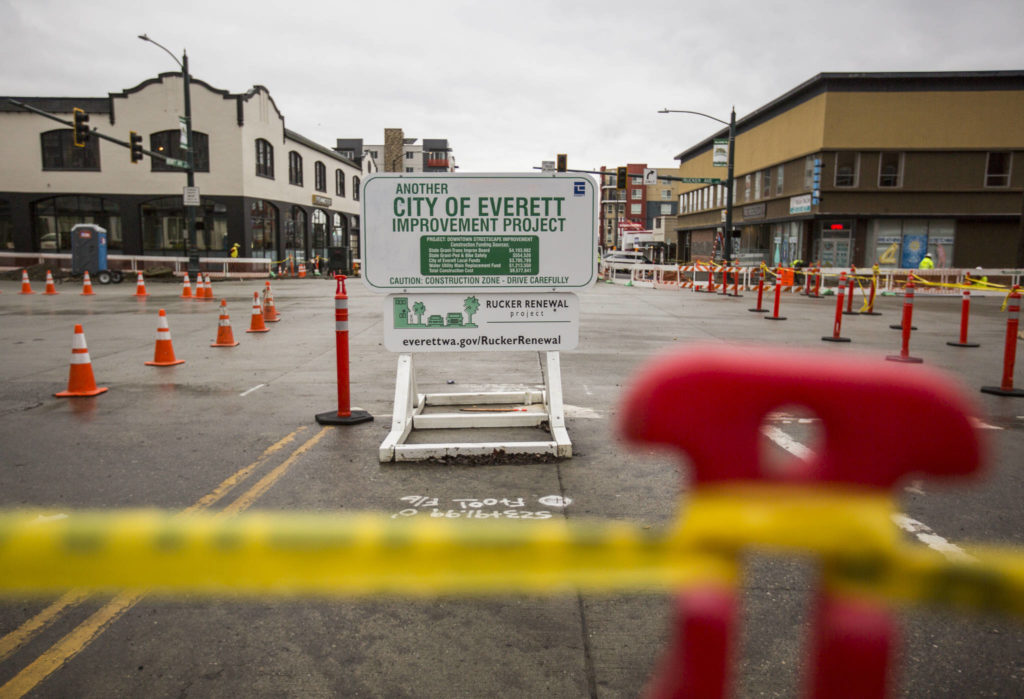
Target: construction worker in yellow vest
926	262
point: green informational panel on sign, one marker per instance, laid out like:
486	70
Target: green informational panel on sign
441	232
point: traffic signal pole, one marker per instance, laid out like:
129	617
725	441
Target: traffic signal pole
92	132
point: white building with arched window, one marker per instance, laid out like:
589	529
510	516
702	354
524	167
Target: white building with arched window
278	194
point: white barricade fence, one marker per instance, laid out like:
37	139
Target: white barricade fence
216	267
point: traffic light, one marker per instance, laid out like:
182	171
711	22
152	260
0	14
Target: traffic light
135	140
81	127
620	178
561	162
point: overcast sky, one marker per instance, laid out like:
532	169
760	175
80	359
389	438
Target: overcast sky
508	84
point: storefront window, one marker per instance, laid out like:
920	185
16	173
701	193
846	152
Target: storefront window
165	227
319	233
263	216
339	231
6	228
295	235
52	220
901	243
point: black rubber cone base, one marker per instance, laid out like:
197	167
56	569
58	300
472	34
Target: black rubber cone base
835	339
758	310
354	418
906	360
775	317
900	327
963	344
1000	391
870	313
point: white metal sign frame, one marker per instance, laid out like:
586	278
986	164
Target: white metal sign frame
530	408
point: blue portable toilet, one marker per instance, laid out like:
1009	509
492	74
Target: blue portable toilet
89	252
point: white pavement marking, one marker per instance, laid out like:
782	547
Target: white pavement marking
50	518
254	388
925	534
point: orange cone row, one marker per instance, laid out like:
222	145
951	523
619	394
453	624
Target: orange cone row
81	381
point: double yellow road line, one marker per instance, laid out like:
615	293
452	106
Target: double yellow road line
82	635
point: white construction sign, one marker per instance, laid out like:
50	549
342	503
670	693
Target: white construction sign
475	232
471	322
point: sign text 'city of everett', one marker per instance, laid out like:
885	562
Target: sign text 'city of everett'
428	232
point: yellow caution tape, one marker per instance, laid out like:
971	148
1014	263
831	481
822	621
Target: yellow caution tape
158	552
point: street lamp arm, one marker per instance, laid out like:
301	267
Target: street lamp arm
146	38
687	111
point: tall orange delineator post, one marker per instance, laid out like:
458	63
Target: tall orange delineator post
852	639
849	293
965	312
760	293
838	324
778	296
344	415
907	326
910	282
1010	351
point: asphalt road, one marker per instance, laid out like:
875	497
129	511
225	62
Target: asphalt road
171	437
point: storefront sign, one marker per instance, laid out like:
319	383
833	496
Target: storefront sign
444	231
800	204
453	322
754	211
321	200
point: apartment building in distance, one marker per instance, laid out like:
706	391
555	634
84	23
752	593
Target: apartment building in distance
866	168
401	154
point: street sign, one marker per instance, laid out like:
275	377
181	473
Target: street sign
547	166
650	175
190	196
700	180
174	162
479	232
506	322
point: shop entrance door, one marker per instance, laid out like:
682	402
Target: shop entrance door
835	252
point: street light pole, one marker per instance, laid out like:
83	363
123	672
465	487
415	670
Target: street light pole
727	238
190	172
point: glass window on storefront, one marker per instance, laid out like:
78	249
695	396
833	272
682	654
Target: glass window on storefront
339	231
53	218
901	243
786	243
263	219
295	235
6	227
834	245
319	241
165	227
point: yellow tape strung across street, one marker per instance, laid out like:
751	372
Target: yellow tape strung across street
323	554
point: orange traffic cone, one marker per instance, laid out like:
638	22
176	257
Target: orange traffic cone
87	285
302	270
207	289
186	291
26	286
140	287
225	336
270	314
51	290
80	379
257	325
163	355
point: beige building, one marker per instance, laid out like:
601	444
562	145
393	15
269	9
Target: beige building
859	168
273	191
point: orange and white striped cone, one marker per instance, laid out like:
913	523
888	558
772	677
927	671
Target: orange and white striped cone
302	270
163	355
87	285
80	379
257	325
140	287
270	314
51	290
186	289
207	294
225	336
26	285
